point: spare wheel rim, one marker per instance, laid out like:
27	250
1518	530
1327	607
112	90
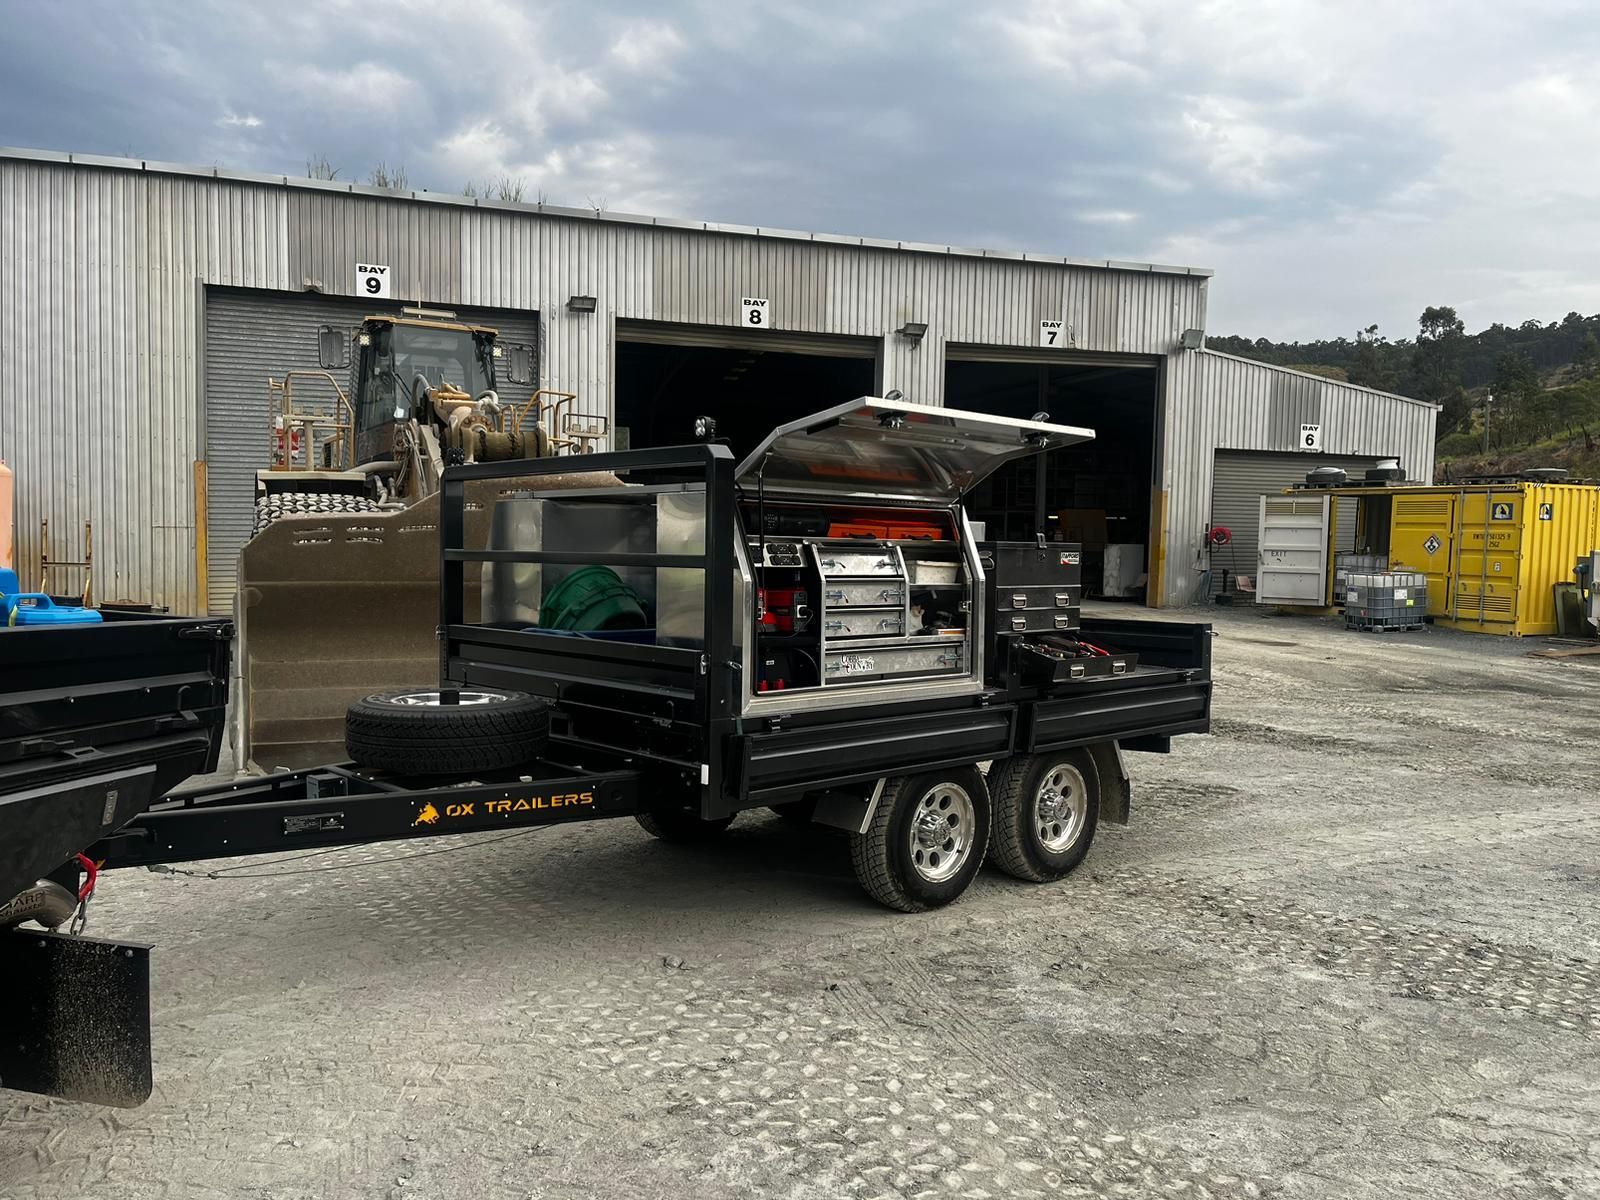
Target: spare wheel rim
430	699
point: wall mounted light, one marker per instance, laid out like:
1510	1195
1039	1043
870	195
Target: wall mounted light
913	331
1192	339
581	304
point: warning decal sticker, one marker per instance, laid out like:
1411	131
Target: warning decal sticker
1502	511
1547	511
1432	545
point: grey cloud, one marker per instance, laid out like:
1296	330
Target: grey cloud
1334	169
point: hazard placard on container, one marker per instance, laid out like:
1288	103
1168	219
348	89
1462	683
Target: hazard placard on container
1432	545
1501	511
1547	511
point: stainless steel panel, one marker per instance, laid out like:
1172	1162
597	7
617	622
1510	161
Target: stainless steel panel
626	524
854	595
930	656
865	622
513	591
835	563
894	449
680	591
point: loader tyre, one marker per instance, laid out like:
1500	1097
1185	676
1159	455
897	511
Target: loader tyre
410	732
926	839
308	504
1046	809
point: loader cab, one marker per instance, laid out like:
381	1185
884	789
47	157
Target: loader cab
398	360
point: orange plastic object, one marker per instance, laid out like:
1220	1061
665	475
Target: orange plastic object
8	515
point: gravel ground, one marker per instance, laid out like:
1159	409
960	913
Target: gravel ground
1346	948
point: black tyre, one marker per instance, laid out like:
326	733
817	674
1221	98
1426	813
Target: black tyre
273	508
1046	809
926	840
681	826
410	732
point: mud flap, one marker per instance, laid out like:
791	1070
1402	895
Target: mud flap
76	1018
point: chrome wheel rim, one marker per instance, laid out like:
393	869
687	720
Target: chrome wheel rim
941	832
430	699
1060	806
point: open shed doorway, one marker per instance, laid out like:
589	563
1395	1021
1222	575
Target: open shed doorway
1097	494
748	383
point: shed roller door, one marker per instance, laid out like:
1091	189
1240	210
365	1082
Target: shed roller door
252	336
1241	478
774	341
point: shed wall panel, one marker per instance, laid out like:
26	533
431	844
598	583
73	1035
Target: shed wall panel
100	274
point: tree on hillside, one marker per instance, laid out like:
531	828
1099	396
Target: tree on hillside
1369	361
1516	397
1588	356
1436	363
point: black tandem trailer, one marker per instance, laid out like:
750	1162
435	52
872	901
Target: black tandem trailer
817	631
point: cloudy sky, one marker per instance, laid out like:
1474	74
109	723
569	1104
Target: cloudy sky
1337	163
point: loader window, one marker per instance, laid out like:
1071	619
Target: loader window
441	356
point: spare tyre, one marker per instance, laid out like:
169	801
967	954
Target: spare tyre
411	732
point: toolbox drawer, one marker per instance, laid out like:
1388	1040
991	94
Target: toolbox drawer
855	595
863	622
1015	599
880	560
1036	620
935	656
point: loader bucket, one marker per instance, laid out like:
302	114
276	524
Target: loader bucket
335	607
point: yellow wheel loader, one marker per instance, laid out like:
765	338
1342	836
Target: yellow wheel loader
338	587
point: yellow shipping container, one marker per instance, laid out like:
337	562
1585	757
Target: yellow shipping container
1492	552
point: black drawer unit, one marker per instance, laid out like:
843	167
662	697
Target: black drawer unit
1029	588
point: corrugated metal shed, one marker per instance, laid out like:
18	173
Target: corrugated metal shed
1220	402
103	263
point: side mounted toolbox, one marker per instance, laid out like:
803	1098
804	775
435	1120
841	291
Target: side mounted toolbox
1031	587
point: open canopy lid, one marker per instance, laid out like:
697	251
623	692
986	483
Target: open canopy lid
888	449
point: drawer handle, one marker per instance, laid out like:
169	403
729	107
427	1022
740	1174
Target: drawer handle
1019	600
833	595
833	624
889	623
1063	599
1063	621
949	660
887	596
830	562
1019	623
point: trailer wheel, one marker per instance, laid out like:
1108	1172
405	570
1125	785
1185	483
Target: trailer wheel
926	840
1046	809
681	826
410	732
